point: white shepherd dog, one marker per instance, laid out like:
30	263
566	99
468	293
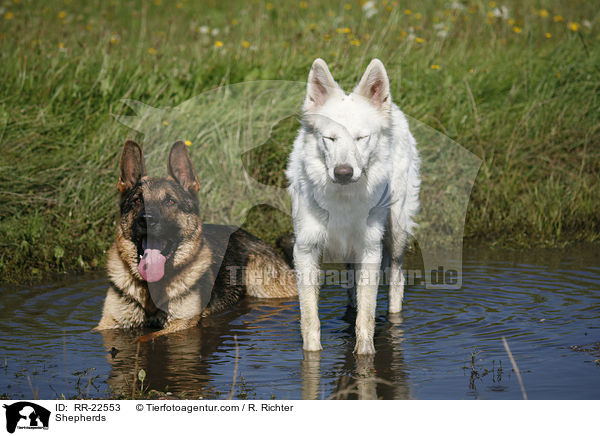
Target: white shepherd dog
354	182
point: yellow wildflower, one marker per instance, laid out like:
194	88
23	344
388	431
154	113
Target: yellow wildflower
61	45
558	18
574	26
517	29
188	142
245	44
9	16
179	5
548	35
511	21
435	67
218	43
165	123
355	42
407	12
492	4
303	5
234	22
62	15
152	51
418	16
419	40
269	6
347	6
544	13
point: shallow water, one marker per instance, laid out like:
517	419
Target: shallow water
447	345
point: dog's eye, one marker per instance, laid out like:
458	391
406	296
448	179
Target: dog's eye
361	138
138	200
169	201
330	138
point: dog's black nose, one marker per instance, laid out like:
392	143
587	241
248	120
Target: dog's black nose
147	219
343	173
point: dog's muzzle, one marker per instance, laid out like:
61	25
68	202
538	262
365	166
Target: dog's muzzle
343	174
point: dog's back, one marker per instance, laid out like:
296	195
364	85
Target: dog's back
249	266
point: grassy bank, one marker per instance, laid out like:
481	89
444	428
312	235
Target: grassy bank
517	86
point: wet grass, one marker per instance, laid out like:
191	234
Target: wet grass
519	88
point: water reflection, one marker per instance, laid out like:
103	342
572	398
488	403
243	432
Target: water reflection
447	344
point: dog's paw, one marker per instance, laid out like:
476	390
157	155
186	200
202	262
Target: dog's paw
312	345
364	346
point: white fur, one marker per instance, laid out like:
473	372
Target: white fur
347	222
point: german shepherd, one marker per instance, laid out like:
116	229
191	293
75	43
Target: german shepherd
167	269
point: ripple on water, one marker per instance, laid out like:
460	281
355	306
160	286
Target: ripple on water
542	302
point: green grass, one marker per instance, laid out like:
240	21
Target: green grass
525	103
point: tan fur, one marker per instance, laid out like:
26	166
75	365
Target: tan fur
269	277
196	285
117	315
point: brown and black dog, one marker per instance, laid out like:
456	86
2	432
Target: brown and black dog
169	270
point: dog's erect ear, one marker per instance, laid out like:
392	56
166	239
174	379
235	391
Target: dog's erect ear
132	166
181	169
320	85
375	86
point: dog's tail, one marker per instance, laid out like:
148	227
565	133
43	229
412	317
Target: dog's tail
267	273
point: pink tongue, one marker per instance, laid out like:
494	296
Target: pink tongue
152	265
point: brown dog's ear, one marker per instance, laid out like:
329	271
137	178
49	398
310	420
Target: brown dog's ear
132	166
181	169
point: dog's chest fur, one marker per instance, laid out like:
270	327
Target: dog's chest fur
351	223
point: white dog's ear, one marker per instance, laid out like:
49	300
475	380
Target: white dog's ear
375	86
320	85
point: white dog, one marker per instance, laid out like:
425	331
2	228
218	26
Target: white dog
354	182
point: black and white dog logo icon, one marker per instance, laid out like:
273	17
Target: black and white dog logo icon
26	415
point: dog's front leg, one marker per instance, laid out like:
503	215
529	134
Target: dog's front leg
173	326
306	262
367	279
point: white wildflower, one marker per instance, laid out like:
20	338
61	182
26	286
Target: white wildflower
501	12
457	6
369	9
